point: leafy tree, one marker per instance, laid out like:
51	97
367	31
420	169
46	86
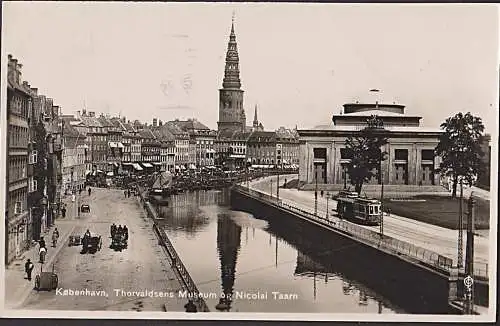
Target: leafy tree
460	150
365	152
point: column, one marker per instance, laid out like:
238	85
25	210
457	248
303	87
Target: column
411	164
418	165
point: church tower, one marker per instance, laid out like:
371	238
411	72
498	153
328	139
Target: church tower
255	120
231	112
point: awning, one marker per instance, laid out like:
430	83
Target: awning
113	144
156	163
120	145
127	163
147	165
137	167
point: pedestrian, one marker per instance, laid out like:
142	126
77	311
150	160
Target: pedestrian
73	198
63	211
90	190
119	231
42	243
125	231
42	253
129	192
190	306
28	268
125	193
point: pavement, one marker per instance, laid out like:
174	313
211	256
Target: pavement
431	237
142	267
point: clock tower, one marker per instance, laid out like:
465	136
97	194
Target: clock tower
231	112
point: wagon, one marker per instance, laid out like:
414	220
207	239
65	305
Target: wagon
74	240
91	244
47	281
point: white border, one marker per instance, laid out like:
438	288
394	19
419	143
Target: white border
490	317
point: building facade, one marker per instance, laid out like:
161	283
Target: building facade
19	106
410	160
202	141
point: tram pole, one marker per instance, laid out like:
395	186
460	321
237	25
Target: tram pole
469	260
381	198
327	197
460	228
316	193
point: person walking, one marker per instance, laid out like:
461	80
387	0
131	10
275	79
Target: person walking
90	191
63	211
28	268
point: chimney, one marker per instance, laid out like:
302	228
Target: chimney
91	114
78	115
160	123
124	120
155	121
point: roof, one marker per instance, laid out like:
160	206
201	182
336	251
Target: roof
91	121
146	133
379	113
105	122
164	134
262	136
190	124
348	128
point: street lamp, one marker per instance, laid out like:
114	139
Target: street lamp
345	177
316	192
327	197
381	197
271	192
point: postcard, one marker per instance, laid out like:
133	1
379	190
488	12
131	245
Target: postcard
249	161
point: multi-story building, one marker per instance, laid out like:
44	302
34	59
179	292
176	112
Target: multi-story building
287	148
262	148
203	139
73	159
150	149
167	154
181	146
114	150
97	140
19	103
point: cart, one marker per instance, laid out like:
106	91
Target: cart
74	240
91	244
47	281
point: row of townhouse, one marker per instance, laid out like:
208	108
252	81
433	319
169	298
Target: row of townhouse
35	147
258	148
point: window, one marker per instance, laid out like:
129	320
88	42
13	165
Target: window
344	154
18	207
371	210
427	155
33	158
401	154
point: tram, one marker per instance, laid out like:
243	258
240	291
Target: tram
361	210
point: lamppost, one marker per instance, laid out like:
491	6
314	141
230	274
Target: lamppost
327	197
381	197
316	192
460	258
345	177
271	192
469	260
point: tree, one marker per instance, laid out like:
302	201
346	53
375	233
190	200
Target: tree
460	149
365	152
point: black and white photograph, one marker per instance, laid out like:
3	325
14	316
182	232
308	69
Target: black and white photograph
269	161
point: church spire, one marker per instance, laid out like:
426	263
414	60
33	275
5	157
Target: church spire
232	70
255	120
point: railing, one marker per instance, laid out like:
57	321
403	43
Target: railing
187	282
370	237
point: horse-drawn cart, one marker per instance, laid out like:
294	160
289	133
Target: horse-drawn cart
47	281
91	244
119	242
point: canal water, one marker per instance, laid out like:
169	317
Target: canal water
249	266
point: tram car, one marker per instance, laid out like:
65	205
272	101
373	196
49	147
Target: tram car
361	210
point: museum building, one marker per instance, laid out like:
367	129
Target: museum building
410	160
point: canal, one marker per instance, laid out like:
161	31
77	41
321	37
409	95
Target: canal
257	266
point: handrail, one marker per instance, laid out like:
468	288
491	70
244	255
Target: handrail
187	282
423	255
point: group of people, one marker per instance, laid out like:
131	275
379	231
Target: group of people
42	252
119	230
127	193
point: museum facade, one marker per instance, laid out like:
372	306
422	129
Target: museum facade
410	156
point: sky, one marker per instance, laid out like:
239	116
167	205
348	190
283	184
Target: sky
298	62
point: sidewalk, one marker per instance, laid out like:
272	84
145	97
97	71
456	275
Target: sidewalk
17	287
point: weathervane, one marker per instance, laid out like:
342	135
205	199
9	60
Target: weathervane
234	13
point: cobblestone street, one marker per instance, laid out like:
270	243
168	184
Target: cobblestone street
140	267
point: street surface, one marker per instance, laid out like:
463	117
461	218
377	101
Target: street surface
140	267
438	239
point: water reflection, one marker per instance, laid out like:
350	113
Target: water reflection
228	246
184	213
308	267
252	254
